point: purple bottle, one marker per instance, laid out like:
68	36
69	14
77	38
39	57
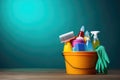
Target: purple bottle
78	44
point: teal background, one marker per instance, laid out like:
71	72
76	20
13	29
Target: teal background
30	29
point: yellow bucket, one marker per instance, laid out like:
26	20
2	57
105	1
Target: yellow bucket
82	62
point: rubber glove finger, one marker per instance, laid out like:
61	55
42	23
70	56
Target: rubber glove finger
107	65
104	62
99	67
103	52
98	64
105	55
102	66
103	59
106	58
96	67
103	69
98	59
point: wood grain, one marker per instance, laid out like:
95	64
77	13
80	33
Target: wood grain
52	74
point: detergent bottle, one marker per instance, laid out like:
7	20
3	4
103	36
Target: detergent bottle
95	41
81	33
88	44
78	44
67	47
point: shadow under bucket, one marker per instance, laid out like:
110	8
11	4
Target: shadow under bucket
82	62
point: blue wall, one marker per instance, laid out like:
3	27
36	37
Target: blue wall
30	29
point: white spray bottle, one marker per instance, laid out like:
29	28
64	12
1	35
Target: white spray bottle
95	41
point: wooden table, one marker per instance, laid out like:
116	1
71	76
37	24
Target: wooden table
52	74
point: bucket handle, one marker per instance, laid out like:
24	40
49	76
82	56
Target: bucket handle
74	66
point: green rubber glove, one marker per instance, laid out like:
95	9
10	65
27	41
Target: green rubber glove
105	56
101	65
103	60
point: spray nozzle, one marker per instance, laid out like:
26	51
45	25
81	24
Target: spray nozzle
82	28
94	34
87	34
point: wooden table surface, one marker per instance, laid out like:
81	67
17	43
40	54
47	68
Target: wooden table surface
52	74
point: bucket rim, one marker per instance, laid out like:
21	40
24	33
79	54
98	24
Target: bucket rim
80	53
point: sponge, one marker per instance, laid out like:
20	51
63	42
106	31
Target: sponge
67	37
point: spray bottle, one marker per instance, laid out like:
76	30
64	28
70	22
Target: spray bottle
86	36
67	47
78	43
88	44
95	41
81	33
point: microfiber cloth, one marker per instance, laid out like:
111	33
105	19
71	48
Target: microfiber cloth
103	60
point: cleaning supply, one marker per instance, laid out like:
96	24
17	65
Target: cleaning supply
86	36
77	40
67	47
103	60
78	44
88	44
95	41
83	56
80	47
81	33
67	36
66	39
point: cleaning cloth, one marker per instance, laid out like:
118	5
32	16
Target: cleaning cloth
103	60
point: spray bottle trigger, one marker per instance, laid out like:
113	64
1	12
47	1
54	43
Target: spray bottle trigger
91	35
